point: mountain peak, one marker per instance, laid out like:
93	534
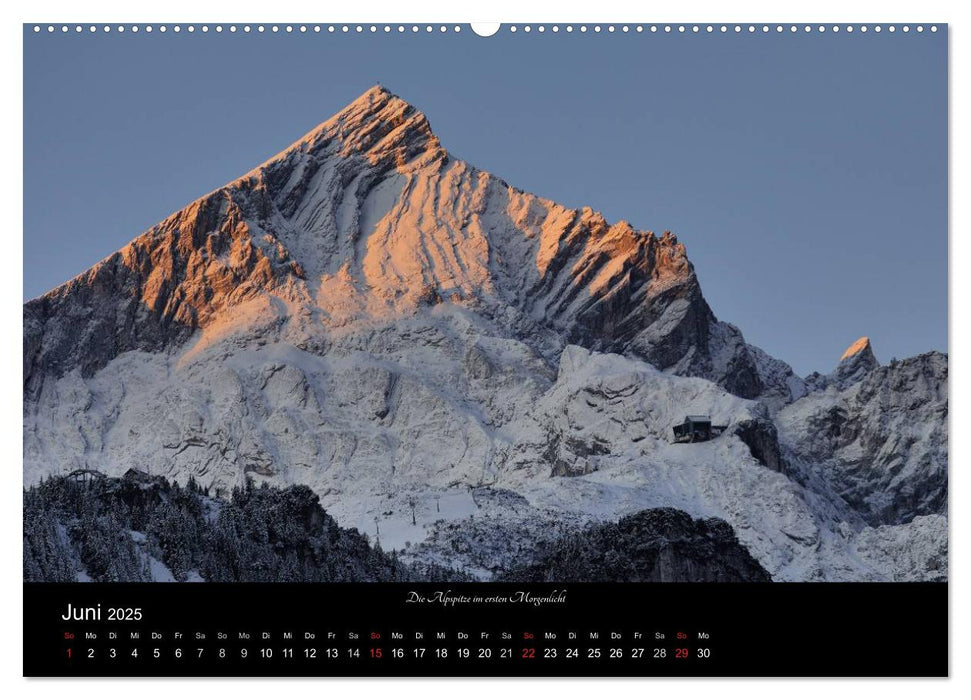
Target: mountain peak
380	126
367	218
855	363
369	104
376	90
861	345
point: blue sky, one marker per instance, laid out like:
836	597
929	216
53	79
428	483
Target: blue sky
806	174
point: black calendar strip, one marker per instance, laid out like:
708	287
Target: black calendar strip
485	630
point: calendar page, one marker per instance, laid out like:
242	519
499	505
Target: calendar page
485	350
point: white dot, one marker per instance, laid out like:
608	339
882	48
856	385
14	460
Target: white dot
625	29
513	29
569	28
836	28
147	29
458	29
724	29
640	29
121	28
163	29
920	28
527	29
695	29
177	29
751	29
246	29
822	29
681	28
933	28
765	28
906	28
219	28
863	29
597	28
654	28
79	28
667	28
583	29
849	29
779	28
555	29
386	29
64	29
878	29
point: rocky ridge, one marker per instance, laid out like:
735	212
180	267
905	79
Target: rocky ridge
878	434
366	218
426	346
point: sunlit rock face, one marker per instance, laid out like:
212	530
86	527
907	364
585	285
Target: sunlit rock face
855	363
461	365
368	218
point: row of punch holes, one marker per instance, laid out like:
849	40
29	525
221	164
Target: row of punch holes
486	30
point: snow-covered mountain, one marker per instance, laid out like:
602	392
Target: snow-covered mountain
437	353
876	434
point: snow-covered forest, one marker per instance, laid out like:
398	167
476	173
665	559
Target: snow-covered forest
146	529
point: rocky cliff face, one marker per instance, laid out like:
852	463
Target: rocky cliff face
440	355
877	434
659	546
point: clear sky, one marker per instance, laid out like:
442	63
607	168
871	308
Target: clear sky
805	173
